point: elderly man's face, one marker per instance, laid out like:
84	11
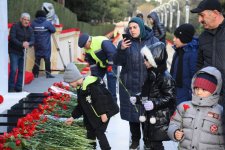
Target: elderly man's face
207	19
25	21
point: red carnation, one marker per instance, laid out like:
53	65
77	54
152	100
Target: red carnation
1	99
18	142
186	106
46	94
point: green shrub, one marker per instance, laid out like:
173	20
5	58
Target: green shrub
66	17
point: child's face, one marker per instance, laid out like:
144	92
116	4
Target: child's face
74	84
201	92
147	64
177	42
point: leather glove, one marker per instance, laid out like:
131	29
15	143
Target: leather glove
148	105
133	100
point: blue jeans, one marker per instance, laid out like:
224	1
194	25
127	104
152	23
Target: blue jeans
111	80
16	62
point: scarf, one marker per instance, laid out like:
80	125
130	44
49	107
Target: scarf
179	73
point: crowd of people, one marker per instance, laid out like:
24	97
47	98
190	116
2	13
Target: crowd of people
181	105
184	104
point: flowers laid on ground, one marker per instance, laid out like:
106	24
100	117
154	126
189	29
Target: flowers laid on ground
36	131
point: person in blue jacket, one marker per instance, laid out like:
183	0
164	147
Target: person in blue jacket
42	33
184	61
157	27
99	51
21	37
133	73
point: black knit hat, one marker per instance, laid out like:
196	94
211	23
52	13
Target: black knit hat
40	13
185	33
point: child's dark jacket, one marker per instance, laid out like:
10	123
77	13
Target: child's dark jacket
160	89
93	101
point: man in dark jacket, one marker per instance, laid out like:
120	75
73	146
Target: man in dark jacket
157	27
21	37
212	41
99	51
95	103
42	32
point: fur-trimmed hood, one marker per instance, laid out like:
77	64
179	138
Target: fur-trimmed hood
155	54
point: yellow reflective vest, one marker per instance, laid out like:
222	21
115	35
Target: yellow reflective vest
96	46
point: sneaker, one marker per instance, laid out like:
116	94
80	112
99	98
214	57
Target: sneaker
50	76
134	146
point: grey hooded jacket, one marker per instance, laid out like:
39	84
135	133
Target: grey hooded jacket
200	119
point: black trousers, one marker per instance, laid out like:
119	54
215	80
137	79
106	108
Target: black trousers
37	65
135	129
98	133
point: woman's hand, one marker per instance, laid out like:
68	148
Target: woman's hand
104	118
69	121
179	134
125	44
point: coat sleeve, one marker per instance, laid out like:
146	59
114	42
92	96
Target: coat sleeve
51	28
13	38
119	57
31	41
167	94
175	123
192	63
200	60
161	31
77	111
109	49
92	63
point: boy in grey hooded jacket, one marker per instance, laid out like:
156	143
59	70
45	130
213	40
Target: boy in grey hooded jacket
197	124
